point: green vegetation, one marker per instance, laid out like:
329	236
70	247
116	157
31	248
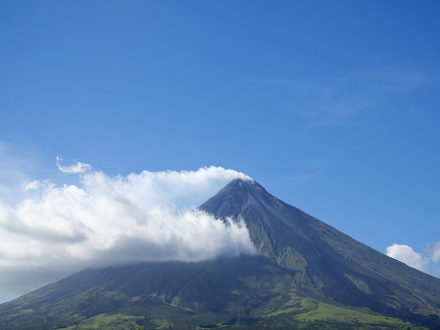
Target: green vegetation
322	316
332	313
361	285
102	321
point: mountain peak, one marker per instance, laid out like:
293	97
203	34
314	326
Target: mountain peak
237	196
243	186
334	264
264	214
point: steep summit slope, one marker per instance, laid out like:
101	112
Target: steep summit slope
328	262
308	275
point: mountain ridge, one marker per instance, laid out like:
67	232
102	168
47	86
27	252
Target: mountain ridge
342	263
307	275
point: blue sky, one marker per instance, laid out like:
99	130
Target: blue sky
333	106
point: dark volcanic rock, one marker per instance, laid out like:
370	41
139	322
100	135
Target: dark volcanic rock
334	264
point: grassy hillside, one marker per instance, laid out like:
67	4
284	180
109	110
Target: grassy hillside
320	316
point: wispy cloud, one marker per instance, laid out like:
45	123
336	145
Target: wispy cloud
75	168
57	229
336	101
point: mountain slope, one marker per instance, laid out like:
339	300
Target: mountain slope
330	262
249	292
170	290
308	275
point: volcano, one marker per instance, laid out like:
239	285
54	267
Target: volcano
307	274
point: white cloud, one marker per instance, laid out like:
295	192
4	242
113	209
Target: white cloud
433	251
407	255
57	229
78	167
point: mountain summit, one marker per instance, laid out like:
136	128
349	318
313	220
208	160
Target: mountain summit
307	275
327	262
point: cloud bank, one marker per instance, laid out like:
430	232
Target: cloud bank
151	216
